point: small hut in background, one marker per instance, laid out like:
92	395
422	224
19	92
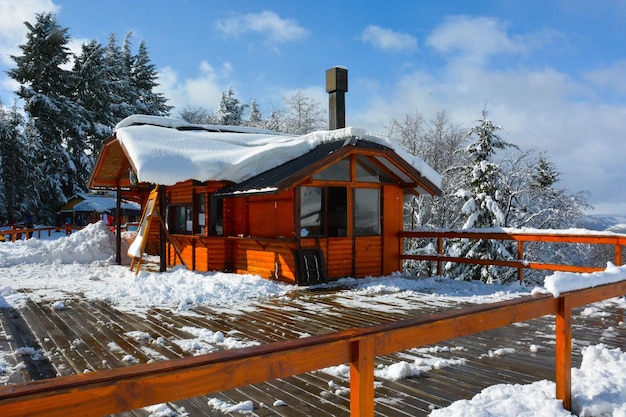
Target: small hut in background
84	208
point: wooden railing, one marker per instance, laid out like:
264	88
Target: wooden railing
117	390
521	263
23	232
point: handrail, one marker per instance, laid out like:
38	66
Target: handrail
67	228
15	232
116	390
555	236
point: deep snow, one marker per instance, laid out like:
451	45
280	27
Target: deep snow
56	269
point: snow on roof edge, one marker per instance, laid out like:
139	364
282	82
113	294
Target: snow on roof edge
174	123
313	138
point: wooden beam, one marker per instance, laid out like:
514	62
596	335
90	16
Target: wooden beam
362	378
564	352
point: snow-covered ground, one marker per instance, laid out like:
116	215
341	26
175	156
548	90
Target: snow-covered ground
60	268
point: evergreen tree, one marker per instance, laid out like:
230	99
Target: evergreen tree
481	197
275	121
95	88
230	112
44	87
255	118
12	164
143	82
120	103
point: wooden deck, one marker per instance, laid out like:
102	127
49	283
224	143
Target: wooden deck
89	336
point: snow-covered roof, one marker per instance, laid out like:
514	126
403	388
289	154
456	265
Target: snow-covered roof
167	151
100	204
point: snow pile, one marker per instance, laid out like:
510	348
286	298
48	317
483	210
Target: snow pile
94	243
599	386
205	341
225	407
534	400
397	371
561	282
598	389
58	269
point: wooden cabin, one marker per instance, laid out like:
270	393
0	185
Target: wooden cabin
300	209
83	208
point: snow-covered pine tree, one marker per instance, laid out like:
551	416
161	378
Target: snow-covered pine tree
230	111
275	121
12	164
255	118
480	193
94	91
44	87
119	81
144	81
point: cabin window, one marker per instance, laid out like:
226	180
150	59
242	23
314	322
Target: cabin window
368	171
179	219
323	211
366	211
311	211
339	171
200	210
216	216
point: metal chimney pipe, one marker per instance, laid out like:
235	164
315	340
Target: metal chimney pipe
336	87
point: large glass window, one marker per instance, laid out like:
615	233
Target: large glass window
216	216
323	211
366	211
311	211
179	219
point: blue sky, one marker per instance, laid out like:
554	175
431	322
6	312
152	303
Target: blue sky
550	72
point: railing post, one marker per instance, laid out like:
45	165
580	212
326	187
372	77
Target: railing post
564	352
520	257
362	378
439	252
618	254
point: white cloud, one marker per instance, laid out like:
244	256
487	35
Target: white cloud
388	40
474	39
609	78
544	109
267	24
204	90
13	14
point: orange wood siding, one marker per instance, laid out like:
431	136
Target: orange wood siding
368	253
272	216
338	256
234	217
199	253
393	222
272	260
181	193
